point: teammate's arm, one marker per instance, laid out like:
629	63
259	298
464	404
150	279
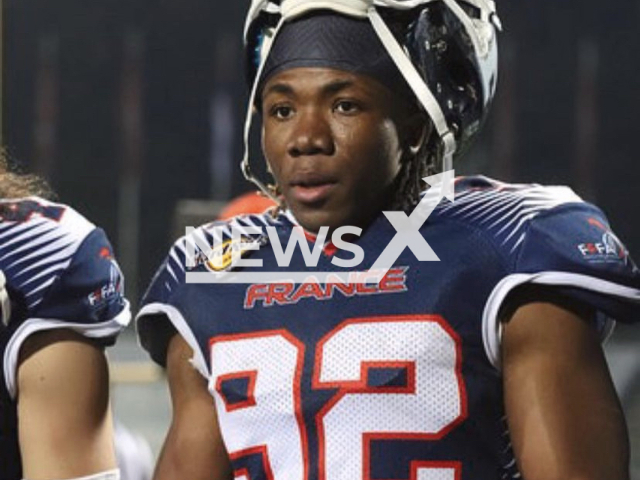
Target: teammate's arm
193	448
563	413
64	420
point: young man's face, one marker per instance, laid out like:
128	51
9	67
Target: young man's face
332	140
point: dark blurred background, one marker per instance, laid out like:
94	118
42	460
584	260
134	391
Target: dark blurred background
127	106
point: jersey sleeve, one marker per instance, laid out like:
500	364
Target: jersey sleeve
572	249
89	293
62	276
165	308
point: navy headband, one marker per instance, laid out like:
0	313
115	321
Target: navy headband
329	40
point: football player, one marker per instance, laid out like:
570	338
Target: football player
485	364
62	300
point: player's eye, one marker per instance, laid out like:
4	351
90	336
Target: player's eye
281	112
347	107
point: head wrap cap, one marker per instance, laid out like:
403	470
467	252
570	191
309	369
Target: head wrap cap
325	39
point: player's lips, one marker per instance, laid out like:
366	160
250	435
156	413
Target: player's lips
311	187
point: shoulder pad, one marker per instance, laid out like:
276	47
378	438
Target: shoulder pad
504	210
38	240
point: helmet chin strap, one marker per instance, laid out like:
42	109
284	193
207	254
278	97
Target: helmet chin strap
245	165
418	85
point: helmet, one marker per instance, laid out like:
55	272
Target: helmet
445	49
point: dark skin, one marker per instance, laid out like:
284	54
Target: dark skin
334	141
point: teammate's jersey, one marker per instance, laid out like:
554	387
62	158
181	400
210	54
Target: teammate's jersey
59	272
396	380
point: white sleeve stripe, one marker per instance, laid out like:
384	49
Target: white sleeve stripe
261	220
48	238
519	218
521	223
518	242
60	245
60	257
461	198
239	227
465	204
171	272
35	303
181	325
249	222
29	327
496	213
491	325
181	245
174	256
490	212
43	273
40	287
14	227
507	210
33	231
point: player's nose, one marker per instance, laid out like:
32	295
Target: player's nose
311	135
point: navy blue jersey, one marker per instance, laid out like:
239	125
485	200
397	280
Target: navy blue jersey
392	380
59	272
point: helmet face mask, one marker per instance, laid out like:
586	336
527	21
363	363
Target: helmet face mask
445	49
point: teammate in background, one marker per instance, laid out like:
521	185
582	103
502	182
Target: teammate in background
62	301
483	365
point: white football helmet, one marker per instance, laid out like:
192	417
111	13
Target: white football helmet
445	49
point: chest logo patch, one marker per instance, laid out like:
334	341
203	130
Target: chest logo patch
222	256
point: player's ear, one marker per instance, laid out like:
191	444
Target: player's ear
417	130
